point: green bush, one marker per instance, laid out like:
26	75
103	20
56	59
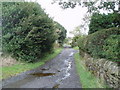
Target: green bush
28	32
61	33
81	42
101	42
74	41
111	47
103	21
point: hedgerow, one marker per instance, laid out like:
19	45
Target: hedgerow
104	21
61	33
28	32
102	44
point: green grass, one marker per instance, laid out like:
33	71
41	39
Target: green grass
19	68
76	48
87	79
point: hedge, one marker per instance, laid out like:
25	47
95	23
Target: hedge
28	32
104	21
102	44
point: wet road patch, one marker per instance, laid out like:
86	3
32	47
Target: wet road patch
42	74
57	73
56	86
44	69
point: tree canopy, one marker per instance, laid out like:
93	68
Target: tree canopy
61	33
92	5
104	21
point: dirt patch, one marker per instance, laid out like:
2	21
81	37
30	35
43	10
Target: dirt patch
7	61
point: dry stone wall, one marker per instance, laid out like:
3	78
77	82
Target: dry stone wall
107	71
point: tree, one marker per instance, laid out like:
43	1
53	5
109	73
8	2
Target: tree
60	32
97	22
93	6
77	32
28	32
104	21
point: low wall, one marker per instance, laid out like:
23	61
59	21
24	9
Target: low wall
107	71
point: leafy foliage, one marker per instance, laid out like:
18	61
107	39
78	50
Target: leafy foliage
111	47
92	6
103	21
74	41
102	44
61	33
81	42
28	33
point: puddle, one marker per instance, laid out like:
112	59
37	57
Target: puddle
56	86
42	74
44	69
58	70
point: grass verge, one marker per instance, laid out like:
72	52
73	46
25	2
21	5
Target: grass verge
19	68
87	79
76	48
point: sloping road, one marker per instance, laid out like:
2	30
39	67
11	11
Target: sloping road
57	73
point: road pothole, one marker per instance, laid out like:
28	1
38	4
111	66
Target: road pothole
44	69
58	71
56	86
42	74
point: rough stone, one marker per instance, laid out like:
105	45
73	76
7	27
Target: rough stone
106	70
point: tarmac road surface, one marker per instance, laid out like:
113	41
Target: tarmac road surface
60	72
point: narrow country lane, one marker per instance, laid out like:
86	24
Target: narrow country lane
57	73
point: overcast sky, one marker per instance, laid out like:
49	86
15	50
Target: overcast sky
69	18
